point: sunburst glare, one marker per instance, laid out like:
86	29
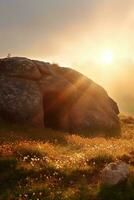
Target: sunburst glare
107	57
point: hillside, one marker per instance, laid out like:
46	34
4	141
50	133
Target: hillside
49	165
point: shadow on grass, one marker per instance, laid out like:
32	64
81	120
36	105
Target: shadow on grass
12	132
122	191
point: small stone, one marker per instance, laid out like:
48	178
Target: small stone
115	173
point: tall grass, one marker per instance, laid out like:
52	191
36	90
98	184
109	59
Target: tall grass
52	165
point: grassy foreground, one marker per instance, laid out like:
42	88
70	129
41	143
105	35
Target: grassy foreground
49	165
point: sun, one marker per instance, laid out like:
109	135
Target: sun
107	57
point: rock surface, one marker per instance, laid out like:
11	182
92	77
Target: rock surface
45	94
115	173
20	101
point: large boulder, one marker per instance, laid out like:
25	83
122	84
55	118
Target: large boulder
45	94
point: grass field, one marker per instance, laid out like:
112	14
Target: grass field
49	165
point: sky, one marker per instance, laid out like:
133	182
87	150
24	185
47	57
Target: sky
78	34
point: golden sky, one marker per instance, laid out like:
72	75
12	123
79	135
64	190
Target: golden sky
95	37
